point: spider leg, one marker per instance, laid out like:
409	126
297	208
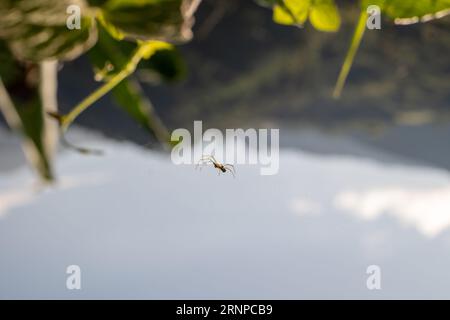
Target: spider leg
214	159
208	158
230	168
205	160
211	158
202	162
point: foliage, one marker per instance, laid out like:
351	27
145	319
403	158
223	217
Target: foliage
35	31
122	35
323	14
402	10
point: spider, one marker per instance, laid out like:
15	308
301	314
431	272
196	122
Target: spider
221	167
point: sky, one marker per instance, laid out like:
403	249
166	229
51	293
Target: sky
141	227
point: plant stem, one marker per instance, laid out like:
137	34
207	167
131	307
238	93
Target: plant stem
104	89
356	41
8	109
48	92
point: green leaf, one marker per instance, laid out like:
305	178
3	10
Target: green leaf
9	70
112	30
403	12
291	12
167	64
130	96
36	30
110	56
411	11
166	20
24	112
324	16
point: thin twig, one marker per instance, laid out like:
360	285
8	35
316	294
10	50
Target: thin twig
356	41
139	53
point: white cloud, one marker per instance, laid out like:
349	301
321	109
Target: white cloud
304	206
21	196
428	210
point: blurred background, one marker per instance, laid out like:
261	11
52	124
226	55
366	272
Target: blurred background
363	179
